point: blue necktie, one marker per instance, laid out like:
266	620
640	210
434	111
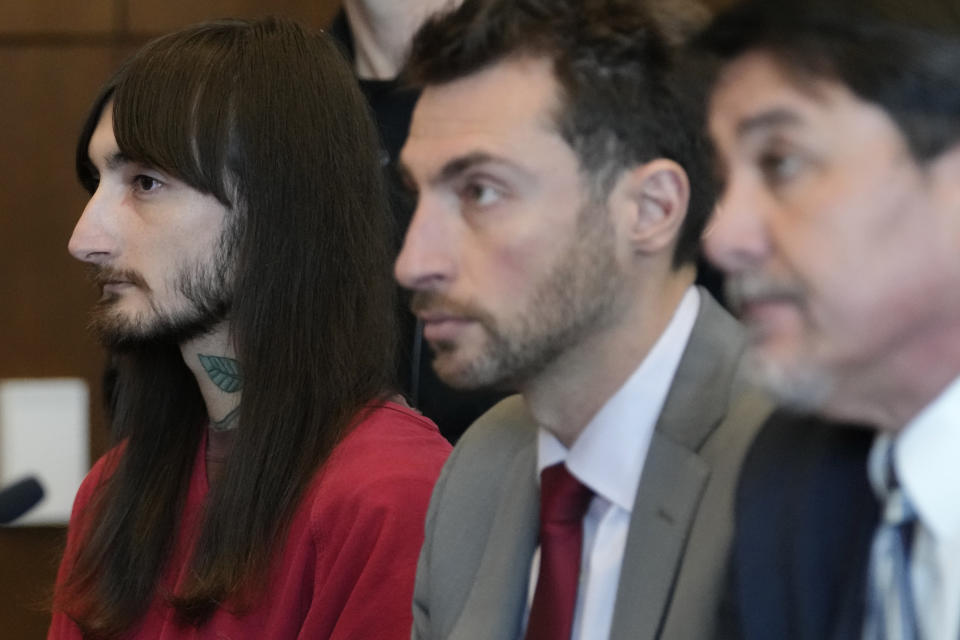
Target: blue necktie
891	612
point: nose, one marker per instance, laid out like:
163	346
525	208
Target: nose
428	260
92	240
737	238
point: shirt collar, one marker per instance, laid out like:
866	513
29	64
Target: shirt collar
925	459
608	455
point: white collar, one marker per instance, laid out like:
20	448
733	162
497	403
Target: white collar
608	455
925	457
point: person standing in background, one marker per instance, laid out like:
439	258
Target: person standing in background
376	35
264	484
837	126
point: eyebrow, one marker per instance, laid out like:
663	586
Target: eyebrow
461	165
113	161
768	120
458	166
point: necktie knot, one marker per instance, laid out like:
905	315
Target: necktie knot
563	498
897	509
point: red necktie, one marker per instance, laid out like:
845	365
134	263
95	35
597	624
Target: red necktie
563	501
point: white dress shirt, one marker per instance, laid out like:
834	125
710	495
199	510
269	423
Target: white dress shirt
608	457
926	457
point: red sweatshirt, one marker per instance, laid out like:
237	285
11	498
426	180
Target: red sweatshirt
347	568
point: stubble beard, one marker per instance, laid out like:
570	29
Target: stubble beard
797	381
206	298
799	384
574	300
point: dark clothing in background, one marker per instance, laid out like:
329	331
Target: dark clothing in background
452	410
805	517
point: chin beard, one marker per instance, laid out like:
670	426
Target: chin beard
800	386
503	366
205	299
207	305
120	334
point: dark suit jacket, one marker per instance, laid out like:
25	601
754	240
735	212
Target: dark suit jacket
482	527
804	526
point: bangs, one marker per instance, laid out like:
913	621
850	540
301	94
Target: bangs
173	107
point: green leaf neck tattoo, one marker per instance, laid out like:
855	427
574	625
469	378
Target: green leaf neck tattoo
224	372
228	422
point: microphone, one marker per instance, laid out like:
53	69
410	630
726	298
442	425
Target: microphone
18	498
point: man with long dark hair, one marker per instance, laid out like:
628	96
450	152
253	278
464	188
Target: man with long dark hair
562	190
837	128
264	485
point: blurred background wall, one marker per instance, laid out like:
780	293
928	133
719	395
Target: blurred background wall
54	55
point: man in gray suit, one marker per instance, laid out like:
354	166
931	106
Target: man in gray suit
562	191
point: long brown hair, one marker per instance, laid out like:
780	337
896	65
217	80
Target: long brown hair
267	118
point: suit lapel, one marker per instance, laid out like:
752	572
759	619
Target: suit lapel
497	600
835	514
670	490
674	476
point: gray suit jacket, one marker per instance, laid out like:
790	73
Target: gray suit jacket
481	529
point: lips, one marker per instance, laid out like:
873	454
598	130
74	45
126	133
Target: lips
748	292
444	319
771	317
111	280
758	307
443	327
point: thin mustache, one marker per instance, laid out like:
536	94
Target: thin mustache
743	289
422	302
102	276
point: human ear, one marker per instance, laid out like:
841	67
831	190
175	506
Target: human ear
649	203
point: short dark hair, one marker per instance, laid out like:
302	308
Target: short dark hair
269	119
900	55
622	103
